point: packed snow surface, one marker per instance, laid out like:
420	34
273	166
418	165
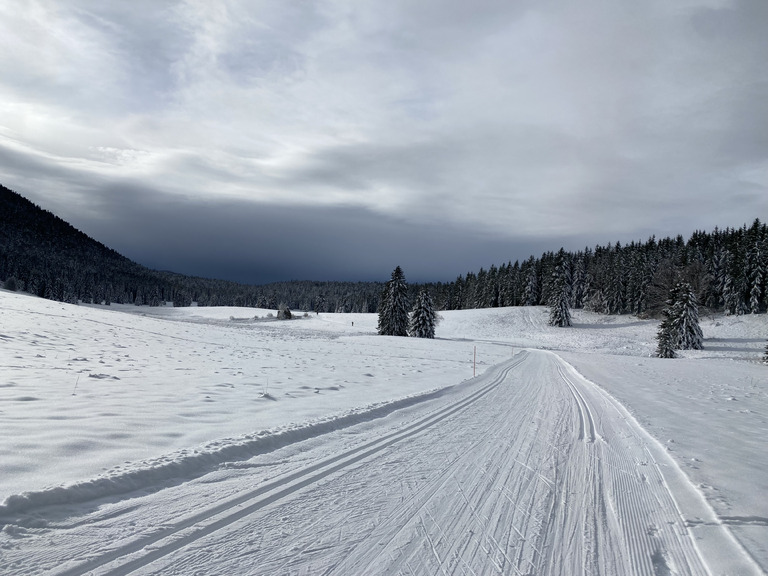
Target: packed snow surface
223	441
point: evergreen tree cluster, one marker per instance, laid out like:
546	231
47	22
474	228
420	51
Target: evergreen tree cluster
393	313
726	269
394	318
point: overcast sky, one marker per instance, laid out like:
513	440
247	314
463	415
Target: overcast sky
329	139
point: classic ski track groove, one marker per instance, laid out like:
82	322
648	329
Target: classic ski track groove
587	432
218	517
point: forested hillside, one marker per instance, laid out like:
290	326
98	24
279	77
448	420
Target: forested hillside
43	255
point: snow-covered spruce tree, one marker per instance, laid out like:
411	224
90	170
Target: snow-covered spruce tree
579	281
667	334
560	297
679	328
597	302
686	319
531	293
754	294
382	325
755	291
664	337
754	275
730	296
393	308
559	311
716	273
423	317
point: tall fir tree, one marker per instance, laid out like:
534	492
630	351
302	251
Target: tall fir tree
531	293
679	328
717	271
393	310
688	331
616	287
664	337
754	293
383	325
579	282
423	317
756	274
560	295
559	311
730	297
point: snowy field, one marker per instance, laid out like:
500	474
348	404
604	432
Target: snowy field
222	441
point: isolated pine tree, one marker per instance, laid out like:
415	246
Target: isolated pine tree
679	328
423	317
686	311
393	307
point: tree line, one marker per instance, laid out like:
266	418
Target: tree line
725	268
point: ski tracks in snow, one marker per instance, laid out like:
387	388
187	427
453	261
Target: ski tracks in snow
531	469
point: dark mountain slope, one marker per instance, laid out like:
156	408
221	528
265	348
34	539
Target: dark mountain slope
46	256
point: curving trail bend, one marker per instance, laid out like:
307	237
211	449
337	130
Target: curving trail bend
528	469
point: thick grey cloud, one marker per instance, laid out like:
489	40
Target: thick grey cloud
255	243
374	132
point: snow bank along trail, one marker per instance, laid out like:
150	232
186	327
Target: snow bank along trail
528	469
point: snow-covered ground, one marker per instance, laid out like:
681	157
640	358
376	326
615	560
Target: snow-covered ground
221	441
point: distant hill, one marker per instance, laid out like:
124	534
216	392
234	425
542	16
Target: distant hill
44	255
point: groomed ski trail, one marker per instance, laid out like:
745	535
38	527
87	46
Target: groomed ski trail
528	469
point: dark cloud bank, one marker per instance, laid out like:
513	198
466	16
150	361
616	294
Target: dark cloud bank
257	244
